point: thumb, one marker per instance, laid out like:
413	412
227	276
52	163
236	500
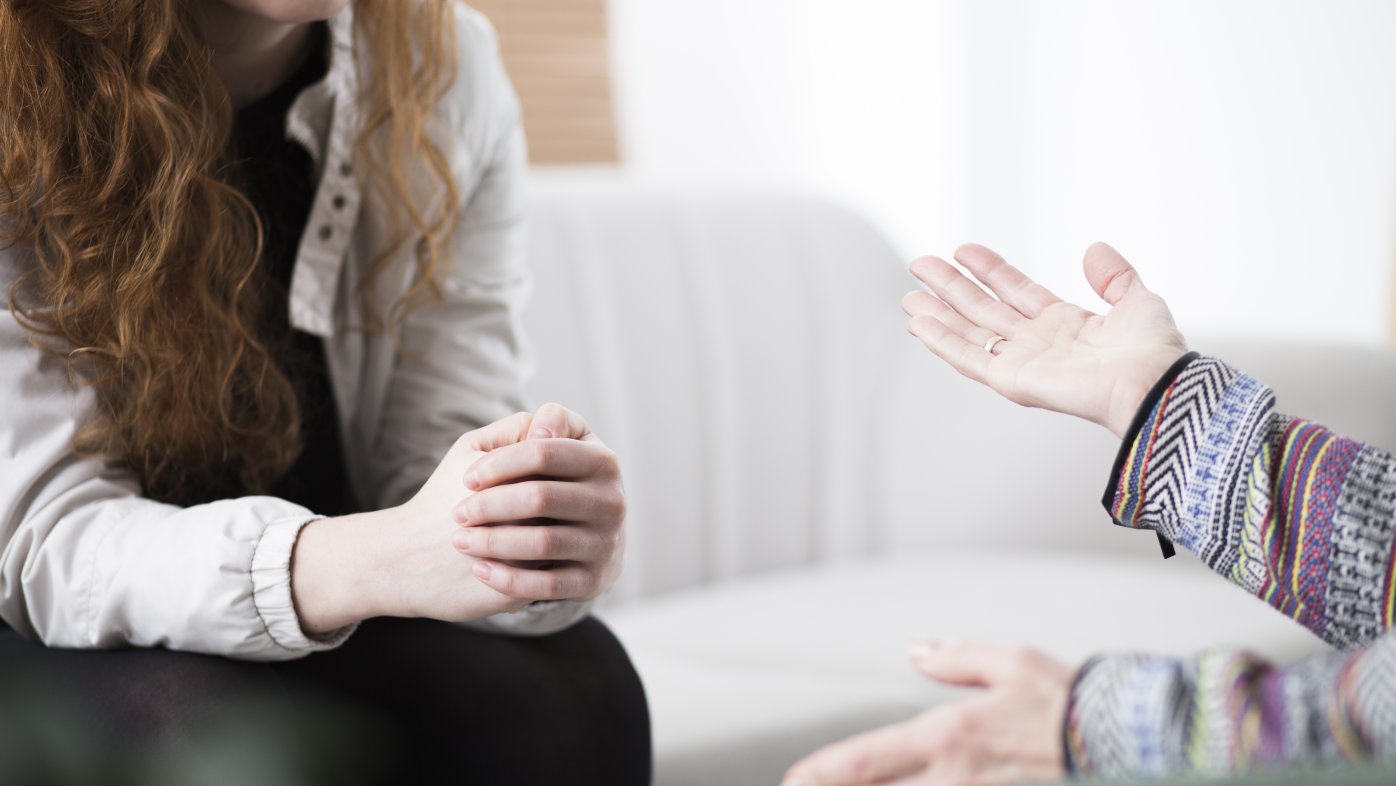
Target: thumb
554	421
1110	275
505	431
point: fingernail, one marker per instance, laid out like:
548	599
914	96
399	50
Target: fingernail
482	571
472	480
540	433
459	513
462	540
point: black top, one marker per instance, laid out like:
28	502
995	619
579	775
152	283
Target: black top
278	176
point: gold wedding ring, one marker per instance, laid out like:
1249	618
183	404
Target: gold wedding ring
993	342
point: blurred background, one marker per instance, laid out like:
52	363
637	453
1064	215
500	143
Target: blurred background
1240	152
725	194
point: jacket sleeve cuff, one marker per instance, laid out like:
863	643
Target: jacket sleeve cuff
271	589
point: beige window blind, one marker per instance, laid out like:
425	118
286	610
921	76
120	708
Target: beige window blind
557	54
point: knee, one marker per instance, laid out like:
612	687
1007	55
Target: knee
563	708
596	664
593	684
125	710
155	695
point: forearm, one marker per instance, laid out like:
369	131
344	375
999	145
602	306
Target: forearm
1291	512
1229	711
121	572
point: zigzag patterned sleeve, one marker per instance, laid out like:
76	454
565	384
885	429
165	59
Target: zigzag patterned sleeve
1290	512
1229	711
1299	517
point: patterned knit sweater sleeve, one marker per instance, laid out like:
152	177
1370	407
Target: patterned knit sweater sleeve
1290	512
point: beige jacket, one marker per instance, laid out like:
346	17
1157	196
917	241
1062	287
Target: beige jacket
87	562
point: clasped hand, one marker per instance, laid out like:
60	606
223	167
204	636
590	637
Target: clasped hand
536	505
543	521
529	508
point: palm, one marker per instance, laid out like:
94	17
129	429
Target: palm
1057	355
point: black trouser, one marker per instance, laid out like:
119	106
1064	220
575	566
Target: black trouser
403	701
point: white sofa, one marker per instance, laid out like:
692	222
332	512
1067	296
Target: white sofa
810	489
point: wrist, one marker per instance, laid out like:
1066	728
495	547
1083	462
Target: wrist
1138	390
333	570
1129	398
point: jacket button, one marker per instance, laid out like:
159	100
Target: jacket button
345	170
326	232
339	202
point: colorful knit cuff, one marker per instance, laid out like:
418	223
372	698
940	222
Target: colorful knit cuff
1074	754
1125	716
1128	446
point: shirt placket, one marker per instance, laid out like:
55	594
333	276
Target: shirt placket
330	227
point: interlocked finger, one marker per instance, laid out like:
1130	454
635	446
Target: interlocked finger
554	542
559	583
565	459
554	421
505	431
541	499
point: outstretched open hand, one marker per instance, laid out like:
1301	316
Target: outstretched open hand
1055	355
1008	733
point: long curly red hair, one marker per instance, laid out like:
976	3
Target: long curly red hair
147	279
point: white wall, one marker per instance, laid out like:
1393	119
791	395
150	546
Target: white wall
1242	152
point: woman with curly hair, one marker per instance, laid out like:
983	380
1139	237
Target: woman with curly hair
260	350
